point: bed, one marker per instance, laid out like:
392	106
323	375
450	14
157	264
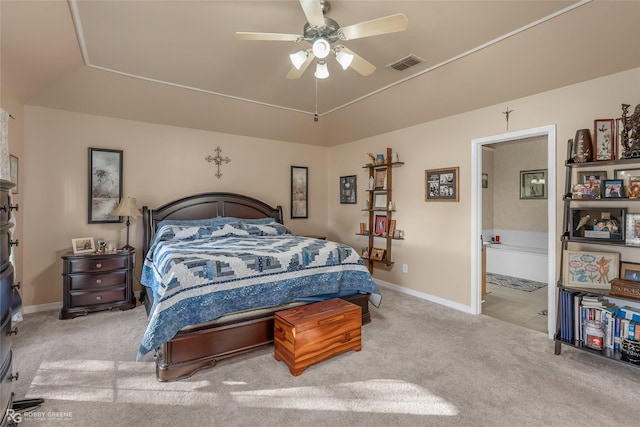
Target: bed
241	324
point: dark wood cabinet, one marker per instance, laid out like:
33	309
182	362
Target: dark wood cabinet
7	291
97	283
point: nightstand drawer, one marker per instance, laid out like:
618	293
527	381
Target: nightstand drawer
97	298
91	265
89	281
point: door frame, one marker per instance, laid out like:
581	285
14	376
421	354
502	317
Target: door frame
548	132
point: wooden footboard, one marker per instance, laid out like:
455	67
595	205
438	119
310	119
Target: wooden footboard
199	348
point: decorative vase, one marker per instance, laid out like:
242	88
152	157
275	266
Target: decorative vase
582	146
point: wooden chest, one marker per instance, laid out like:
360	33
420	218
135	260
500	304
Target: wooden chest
315	332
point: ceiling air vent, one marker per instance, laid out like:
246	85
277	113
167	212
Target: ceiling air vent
406	62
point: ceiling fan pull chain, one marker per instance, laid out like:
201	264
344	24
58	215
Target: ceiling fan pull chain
315	116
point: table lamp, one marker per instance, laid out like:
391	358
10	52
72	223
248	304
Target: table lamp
128	208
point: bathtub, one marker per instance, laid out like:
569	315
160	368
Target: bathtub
518	261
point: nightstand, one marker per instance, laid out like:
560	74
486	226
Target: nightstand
96	283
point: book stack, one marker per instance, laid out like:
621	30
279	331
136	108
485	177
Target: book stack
581	310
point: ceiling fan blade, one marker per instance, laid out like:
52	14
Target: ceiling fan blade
313	11
385	25
297	73
361	65
269	36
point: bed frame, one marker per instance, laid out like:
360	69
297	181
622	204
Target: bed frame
201	346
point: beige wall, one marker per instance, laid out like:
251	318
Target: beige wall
163	162
509	211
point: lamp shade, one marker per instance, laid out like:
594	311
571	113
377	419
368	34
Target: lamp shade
127	207
322	72
344	59
298	58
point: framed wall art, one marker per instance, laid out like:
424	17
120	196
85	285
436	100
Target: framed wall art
105	184
348	189
604	147
533	184
13	172
83	245
598	225
441	185
630	271
585	269
633	230
299	192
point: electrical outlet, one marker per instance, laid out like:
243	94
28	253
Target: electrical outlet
405	268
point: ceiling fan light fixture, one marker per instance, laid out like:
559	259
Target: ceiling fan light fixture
298	58
344	59
321	48
322	72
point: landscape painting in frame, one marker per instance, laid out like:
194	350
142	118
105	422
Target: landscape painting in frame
299	192
105	184
585	269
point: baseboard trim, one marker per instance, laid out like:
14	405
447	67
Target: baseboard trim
422	295
29	309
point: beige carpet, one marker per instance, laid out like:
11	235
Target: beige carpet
421	365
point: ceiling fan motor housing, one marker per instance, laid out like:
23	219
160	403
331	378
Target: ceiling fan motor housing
329	31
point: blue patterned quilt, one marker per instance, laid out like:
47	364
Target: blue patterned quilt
199	273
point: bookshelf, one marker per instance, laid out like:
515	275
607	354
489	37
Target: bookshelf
594	318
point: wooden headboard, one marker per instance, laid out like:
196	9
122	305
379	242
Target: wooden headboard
203	206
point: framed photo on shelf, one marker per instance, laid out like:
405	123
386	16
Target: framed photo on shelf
633	230
83	245
105	185
618	139
377	254
630	271
612	188
626	175
380	179
441	185
299	192
586	269
589	185
392	228
533	184
598	225
380	201
348	189
604	140
380	226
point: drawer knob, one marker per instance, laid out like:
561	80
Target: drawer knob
14	377
13	207
13	331
99	281
99	298
98	265
14	242
16	286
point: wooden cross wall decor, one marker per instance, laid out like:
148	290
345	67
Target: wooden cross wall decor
218	159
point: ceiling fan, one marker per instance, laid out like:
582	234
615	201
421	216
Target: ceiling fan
322	33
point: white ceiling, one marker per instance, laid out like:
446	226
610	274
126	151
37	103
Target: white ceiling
178	63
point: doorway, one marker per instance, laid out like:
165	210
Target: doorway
548	133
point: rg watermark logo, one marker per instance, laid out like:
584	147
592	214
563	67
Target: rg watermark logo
13	416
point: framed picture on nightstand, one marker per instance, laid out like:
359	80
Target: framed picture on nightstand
83	245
